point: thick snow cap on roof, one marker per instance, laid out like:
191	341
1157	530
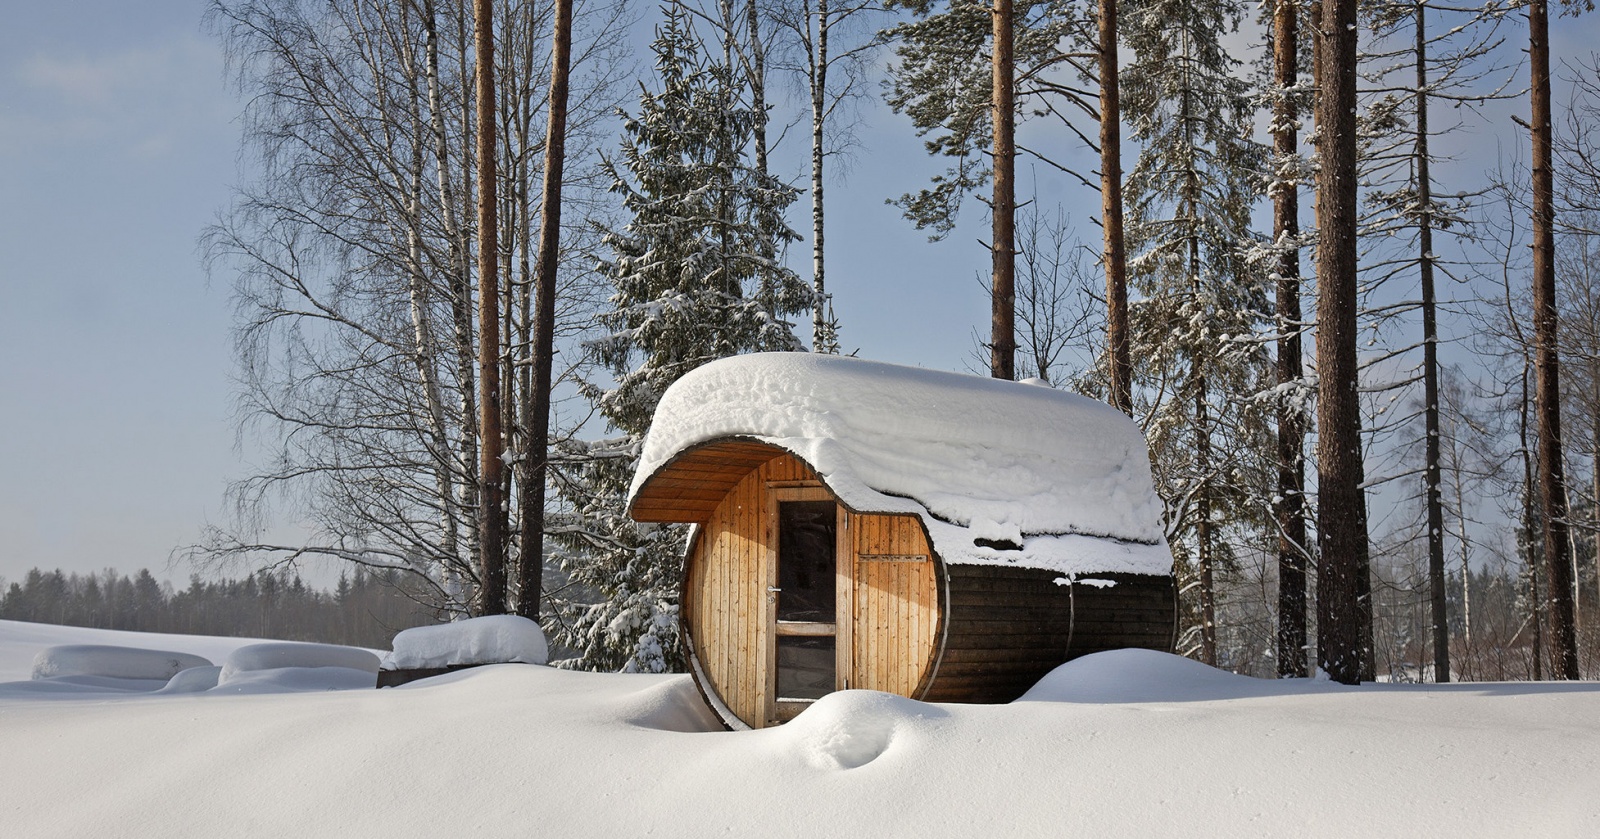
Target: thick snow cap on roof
1065	477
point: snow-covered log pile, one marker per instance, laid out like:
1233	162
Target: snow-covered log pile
492	639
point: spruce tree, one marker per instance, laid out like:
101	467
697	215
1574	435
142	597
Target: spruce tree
697	274
1189	198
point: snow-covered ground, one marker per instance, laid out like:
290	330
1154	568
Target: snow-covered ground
1130	743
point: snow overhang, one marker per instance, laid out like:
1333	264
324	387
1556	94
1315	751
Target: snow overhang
999	472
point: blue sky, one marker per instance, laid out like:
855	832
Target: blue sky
119	143
116	147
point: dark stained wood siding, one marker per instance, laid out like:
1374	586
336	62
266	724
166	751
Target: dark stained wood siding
1008	627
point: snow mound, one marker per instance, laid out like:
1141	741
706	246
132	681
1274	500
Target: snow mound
672	705
1042	478
849	729
193	680
493	639
112	662
79	685
286	655
298	679
1128	676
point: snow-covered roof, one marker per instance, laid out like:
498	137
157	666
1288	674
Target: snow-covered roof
978	459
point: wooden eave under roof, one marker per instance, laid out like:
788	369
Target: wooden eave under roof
689	487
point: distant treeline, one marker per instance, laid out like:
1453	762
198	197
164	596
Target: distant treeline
365	609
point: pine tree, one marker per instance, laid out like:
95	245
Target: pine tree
698	276
944	81
1288	170
1343	617
1547	358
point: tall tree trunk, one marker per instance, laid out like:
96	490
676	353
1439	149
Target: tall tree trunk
821	337
1466	566
491	509
511	183
425	351
1594	471
459	288
538	422
1430	366
1002	248
1341	513
1547	364
1529	525
1291	651
1119	366
1204	553
758	82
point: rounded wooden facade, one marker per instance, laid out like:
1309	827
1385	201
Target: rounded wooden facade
789	594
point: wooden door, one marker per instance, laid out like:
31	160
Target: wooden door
808	590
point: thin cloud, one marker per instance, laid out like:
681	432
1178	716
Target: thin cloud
134	99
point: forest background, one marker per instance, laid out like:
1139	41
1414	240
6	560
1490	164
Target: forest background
122	130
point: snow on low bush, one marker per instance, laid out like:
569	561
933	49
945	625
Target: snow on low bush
105	661
278	656
493	639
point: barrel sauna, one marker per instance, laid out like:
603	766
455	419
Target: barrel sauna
852	530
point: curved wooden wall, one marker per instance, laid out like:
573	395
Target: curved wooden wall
893	601
725	590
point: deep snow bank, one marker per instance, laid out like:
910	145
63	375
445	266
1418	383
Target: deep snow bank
1125	744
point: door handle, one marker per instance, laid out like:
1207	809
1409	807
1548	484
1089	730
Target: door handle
773	589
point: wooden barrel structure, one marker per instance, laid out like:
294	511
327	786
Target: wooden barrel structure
793	589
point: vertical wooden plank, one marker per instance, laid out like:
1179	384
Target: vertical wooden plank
869	616
904	609
715	644
749	572
726	558
769	682
885	598
760	572
698	596
709	639
844	588
733	592
911	666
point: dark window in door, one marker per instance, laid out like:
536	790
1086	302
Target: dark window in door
806	568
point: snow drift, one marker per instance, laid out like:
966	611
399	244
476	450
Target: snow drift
491	639
110	661
1121	744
